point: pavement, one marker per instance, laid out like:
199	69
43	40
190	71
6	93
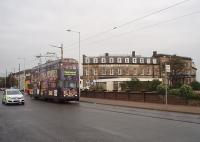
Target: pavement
152	106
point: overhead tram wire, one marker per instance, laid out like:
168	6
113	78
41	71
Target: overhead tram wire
146	27
93	36
152	13
129	22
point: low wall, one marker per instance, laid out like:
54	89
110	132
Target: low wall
150	97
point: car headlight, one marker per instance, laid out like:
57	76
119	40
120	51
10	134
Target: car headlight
8	98
22	98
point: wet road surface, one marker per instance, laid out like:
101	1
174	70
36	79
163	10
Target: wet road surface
40	121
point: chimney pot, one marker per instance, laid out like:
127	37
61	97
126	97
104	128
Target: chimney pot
133	53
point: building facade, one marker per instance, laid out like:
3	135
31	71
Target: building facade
110	70
113	69
183	69
23	78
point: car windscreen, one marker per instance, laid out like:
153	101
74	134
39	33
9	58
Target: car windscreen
13	92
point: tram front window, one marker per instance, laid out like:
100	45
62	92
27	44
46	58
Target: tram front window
70	85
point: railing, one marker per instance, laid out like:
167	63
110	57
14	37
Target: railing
149	97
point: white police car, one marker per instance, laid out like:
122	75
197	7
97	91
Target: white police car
13	96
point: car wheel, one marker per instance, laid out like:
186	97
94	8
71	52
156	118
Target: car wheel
2	102
23	103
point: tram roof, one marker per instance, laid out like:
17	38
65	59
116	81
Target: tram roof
49	63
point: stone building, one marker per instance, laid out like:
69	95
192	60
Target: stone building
113	69
183	69
110	70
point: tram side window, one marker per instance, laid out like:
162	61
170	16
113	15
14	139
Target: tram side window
52	85
44	85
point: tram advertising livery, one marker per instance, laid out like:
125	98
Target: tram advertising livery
57	80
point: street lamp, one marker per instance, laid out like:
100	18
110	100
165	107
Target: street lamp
52	54
79	41
24	73
61	47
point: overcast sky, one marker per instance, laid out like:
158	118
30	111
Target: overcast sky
28	27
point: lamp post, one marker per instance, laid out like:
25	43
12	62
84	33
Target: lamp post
166	85
79	55
24	73
5	79
61	48
19	77
167	70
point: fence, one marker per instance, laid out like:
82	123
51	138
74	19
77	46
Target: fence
150	97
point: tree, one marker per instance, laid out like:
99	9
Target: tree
11	81
195	85
2	82
177	73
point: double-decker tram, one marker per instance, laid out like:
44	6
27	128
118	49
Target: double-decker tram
57	80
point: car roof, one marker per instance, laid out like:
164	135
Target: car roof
12	89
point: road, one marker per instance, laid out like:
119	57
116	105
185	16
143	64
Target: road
39	121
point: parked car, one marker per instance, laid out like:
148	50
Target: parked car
2	89
12	96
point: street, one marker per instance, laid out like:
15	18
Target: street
42	121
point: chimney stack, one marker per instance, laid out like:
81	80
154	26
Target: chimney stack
133	53
154	53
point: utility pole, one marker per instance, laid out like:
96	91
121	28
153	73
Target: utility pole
5	79
165	86
24	76
79	54
61	48
167	70
14	78
19	78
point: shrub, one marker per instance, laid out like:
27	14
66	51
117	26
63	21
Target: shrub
186	91
195	85
161	89
175	92
134	85
153	85
176	85
194	97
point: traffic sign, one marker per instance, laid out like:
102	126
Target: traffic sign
167	68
